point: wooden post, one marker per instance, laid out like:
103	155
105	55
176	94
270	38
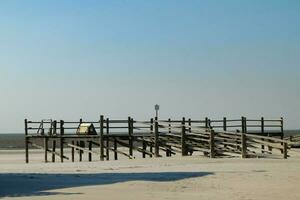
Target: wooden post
26	142
130	131
54	140
183	138
168	152
281	127
285	155
244	145
115	148
46	148
244	125
156	138
225	128
73	151
263	133
53	149
101	138
224	124
144	148
151	132
206	122
62	131
170	130
107	138
54	127
212	143
90	150
281	137
81	143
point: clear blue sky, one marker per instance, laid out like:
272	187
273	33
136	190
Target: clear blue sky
71	59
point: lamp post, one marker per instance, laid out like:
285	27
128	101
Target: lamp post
156	107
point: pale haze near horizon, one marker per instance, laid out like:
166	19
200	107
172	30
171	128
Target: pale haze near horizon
79	59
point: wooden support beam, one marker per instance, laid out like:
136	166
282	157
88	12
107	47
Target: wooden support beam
152	133
122	153
107	140
244	145
115	149
73	151
46	148
212	144
26	142
224	124
41	147
281	133
285	147
183	138
206	123
156	138
130	138
82	149
135	148
53	146
144	148
101	142
169	125
62	131
90	150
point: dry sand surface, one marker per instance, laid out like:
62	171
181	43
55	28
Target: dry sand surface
157	178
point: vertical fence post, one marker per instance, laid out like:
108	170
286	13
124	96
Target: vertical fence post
244	125
81	143
168	147
206	122
156	139
107	138
224	124
281	128
46	148
90	149
73	151
152	135
244	145
190	125
183	138
263	133
282	135
54	140
130	130
26	142
115	148
285	155
144	148
62	132
101	142
212	143
169	125
225	128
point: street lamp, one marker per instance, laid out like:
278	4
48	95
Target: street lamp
156	107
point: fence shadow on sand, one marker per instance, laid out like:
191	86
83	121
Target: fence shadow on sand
30	184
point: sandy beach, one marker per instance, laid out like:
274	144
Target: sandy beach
157	178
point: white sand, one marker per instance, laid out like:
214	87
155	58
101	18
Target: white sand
162	178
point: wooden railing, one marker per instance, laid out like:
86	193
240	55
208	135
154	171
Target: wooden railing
234	138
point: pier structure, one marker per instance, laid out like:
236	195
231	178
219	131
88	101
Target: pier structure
107	139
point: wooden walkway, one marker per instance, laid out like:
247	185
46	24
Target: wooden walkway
155	138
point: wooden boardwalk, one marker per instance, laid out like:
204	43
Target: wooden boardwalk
155	138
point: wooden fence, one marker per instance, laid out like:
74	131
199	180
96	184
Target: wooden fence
156	138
